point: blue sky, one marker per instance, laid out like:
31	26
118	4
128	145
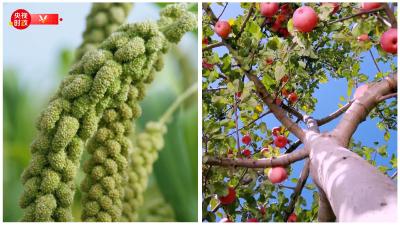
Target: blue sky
328	99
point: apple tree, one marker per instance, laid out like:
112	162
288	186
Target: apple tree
262	65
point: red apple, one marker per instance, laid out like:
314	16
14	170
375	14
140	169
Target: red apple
292	97
280	141
238	94
334	5
246	139
285	9
277	174
292	218
276	131
285	92
222	28
285	79
305	19
276	26
225	220
269	61
229	198
246	152
363	37
389	41
262	210
278	101
281	18
366	6
207	65
269	9
360	91
252	220
205	41
284	32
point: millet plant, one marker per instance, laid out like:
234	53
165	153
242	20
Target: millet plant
94	107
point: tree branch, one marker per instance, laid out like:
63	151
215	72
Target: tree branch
357	14
383	20
284	186
325	212
210	13
253	121
235	108
251	10
335	114
282	160
394	175
373	59
293	111
214	45
390	14
278	112
223	10
298	189
293	147
383	98
361	107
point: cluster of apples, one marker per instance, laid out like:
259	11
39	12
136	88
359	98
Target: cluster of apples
231	197
280	141
305	19
275	18
291	96
388	40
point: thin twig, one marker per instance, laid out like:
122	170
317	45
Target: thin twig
235	108
223	10
246	19
394	175
282	160
299	188
293	147
390	14
383	20
287	187
215	89
388	96
211	46
253	121
373	59
335	114
357	14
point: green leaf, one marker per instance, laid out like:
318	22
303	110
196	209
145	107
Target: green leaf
386	136
280	71
290	26
383	169
382	150
274	43
310	186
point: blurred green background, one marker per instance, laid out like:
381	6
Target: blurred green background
35	61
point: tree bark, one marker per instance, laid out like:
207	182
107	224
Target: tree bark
355	189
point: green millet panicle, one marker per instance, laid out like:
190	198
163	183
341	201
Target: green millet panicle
97	100
141	160
103	19
138	48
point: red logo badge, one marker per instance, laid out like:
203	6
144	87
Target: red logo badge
21	19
